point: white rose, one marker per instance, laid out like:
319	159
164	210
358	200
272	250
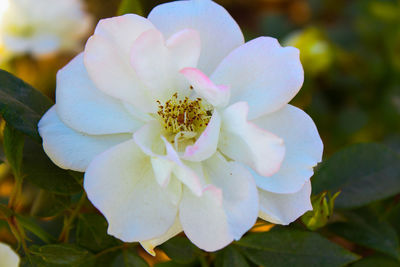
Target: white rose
42	26
181	126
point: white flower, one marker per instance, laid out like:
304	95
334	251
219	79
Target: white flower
8	258
179	125
42	26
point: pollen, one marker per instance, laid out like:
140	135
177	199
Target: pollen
184	115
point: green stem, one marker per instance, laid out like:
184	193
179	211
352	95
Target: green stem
16	193
64	236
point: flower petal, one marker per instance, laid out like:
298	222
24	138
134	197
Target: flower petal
285	208
158	65
225	211
149	245
151	142
106	58
70	149
121	184
123	31
83	107
218	96
304	149
8	257
263	74
206	144
219	33
243	141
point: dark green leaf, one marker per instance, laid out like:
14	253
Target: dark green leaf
180	249
48	204
365	229
129	259
288	247
39	169
175	264
92	232
376	261
21	105
13	142
364	173
61	254
230	257
5	211
130	6
30	225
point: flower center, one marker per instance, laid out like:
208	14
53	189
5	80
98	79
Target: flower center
184	115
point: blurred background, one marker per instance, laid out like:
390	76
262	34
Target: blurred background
350	51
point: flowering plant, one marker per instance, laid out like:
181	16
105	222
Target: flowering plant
172	143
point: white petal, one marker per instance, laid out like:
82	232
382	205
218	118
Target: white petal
206	145
158	65
107	55
123	31
219	33
121	184
245	142
85	108
263	74
149	245
218	96
285	208
8	258
167	160
70	149
304	149
225	211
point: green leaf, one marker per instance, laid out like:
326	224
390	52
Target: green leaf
92	234
13	142
363	172
376	261
365	229
21	105
230	257
61	254
128	259
5	211
41	171
130	6
48	204
288	247
29	224
181	250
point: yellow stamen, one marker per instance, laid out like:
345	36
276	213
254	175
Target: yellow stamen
184	115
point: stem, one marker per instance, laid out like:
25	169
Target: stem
64	236
19	234
16	193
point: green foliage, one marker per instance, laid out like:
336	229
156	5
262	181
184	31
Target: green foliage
323	205
181	250
231	257
13	143
289	247
367	173
21	105
61	254
128	259
92	232
376	261
41	171
365	228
